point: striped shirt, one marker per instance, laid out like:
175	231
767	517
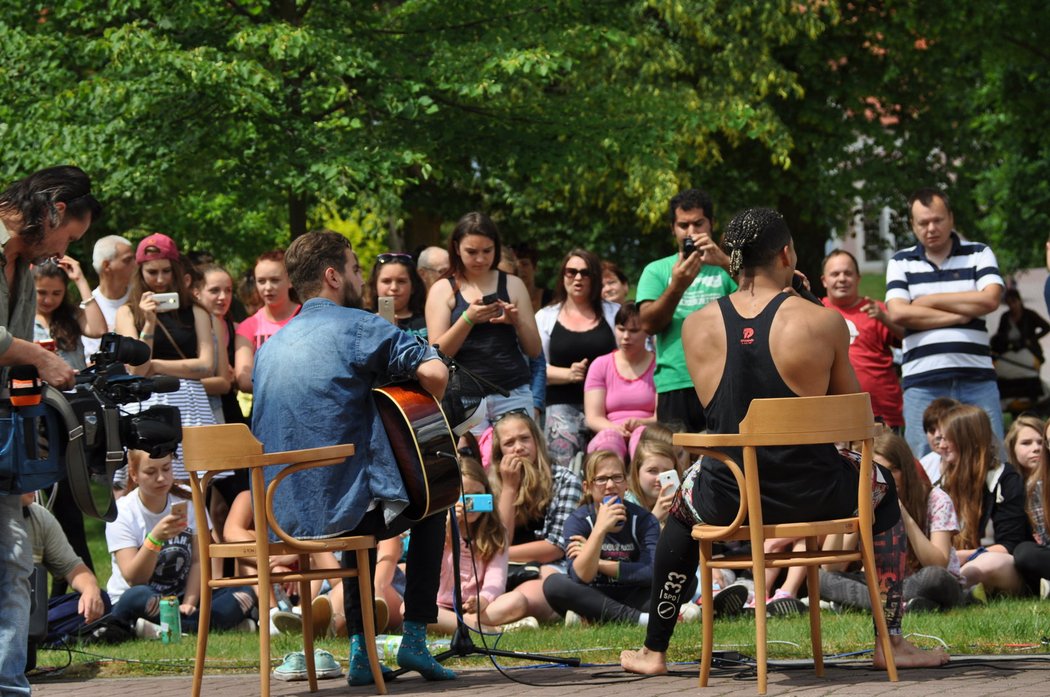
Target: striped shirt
960	351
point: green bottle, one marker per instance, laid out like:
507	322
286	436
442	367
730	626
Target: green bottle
170	620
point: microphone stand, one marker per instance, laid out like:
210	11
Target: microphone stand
462	644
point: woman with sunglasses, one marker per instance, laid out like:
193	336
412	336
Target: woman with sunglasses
279	306
483	318
394	276
575	329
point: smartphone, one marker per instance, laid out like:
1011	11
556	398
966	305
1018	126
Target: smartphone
688	247
178	509
489	299
166	302
476	503
669	478
48	344
386	309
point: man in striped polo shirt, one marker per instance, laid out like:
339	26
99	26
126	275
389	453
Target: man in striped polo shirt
939	291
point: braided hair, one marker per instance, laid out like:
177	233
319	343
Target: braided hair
754	237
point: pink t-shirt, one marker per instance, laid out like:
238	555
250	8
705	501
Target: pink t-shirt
492	576
259	327
625	398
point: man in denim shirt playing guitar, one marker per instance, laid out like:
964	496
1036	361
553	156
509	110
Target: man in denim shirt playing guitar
313	387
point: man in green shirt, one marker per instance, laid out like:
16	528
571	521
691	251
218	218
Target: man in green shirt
670	290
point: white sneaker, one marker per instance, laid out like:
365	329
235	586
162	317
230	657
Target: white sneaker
572	619
690	612
1044	588
523	623
144	629
246	625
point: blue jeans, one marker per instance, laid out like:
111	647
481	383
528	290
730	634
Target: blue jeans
494	406
980	393
143	601
16	563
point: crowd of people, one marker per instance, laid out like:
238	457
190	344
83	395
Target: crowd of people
574	393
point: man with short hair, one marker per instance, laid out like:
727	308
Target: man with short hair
763	341
40	216
313	382
872	335
670	290
114	262
432	264
939	291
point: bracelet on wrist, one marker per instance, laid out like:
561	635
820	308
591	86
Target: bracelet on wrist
85	303
146	336
467	320
153	540
152	546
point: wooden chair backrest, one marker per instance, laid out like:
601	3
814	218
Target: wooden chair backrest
809	420
218	447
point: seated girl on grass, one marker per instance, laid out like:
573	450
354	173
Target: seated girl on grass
483	553
153	545
1026	447
610	550
652	457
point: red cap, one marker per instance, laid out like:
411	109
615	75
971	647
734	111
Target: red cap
163	247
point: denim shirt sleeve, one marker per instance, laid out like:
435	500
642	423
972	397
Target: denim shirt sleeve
384	350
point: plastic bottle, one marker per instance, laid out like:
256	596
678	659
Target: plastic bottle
388	644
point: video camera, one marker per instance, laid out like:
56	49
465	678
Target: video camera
85	432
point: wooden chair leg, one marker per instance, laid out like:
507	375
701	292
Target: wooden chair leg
813	588
707	613
308	625
881	629
264	593
364	585
758	569
204	622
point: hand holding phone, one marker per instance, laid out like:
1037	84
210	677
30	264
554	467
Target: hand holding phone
490	298
669	478
476	503
166	302
179	509
386	309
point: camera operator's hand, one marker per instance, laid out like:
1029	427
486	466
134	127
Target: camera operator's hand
52	369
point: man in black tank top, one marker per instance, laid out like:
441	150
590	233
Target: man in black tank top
764	341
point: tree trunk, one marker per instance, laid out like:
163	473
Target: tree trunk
296	214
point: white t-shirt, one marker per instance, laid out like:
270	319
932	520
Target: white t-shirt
931	462
109	309
133	522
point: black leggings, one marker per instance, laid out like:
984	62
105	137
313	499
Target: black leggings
1033	562
607	604
678	555
426	545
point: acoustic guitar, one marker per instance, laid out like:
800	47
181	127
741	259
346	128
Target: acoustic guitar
423	447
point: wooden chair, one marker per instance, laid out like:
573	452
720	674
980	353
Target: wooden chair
792	421
227	447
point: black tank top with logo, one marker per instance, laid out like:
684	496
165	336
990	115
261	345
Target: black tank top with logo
798	482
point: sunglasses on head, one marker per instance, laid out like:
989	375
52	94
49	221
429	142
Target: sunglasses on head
513	412
399	257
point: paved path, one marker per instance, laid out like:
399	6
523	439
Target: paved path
966	678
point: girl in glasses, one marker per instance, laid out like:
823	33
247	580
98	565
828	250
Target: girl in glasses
575	329
394	276
611	545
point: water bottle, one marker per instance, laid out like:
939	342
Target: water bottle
387	646
284	603
170	620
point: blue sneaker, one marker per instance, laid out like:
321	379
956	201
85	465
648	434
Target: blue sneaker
293	667
326	665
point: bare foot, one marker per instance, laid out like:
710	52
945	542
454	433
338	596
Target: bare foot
905	655
644	662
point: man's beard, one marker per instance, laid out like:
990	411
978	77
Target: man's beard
351	298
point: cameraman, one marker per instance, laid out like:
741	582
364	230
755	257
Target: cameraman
39	217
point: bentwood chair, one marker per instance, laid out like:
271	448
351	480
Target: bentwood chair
210	450
775	422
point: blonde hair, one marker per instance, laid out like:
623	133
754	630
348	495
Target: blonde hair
590	467
968	429
649	447
1032	476
537	482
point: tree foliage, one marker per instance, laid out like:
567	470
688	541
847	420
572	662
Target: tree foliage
236	125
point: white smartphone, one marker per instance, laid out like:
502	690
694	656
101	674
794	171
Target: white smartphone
178	509
166	302
669	478
386	309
